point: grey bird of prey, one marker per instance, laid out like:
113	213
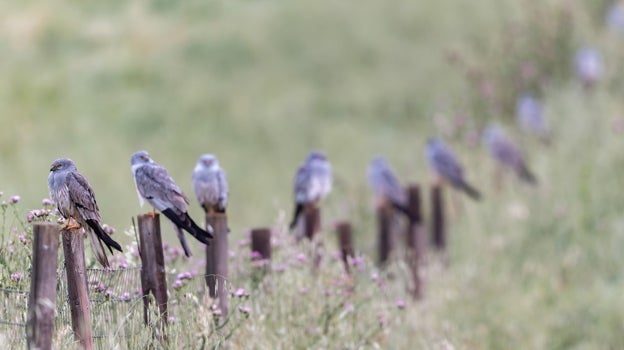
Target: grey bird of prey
386	186
530	116
75	201
210	184
154	184
313	182
588	66
503	150
445	165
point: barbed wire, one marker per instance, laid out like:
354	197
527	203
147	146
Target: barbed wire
15	291
110	298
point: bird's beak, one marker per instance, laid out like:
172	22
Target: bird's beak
53	167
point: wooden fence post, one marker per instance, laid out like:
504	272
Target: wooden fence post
384	235
217	255
75	269
153	277
311	221
414	239
42	298
345	241
261	243
438	228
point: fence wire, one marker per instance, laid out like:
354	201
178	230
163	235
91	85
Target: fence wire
115	298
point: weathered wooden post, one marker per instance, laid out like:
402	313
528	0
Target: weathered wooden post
153	277
261	243
438	228
42	298
385	214
75	268
345	241
311	220
217	255
414	239
260	253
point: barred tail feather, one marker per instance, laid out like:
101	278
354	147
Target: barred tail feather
103	236
298	210
525	174
185	222
469	190
405	210
98	249
182	239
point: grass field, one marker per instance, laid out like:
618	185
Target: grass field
260	83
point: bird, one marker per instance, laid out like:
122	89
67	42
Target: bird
210	184
75	201
588	65
503	150
443	163
154	184
615	17
530	116
313	182
386	186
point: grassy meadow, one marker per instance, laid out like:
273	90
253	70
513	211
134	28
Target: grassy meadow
260	83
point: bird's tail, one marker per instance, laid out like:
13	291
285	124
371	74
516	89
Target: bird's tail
98	249
525	174
185	222
97	236
182	238
469	190
298	210
405	210
102	235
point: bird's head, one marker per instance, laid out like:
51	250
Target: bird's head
378	161
316	155
140	157
208	160
63	164
434	142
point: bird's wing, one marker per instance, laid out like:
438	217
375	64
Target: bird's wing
446	164
81	194
391	186
302	184
506	152
222	189
155	184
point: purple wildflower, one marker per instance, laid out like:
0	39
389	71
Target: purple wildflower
177	284
240	292
15	199
244	309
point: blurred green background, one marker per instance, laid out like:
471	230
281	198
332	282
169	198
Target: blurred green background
260	83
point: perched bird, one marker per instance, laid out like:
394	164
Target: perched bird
210	184
313	182
154	184
588	65
530	116
386	186
75	201
444	164
506	153
615	17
